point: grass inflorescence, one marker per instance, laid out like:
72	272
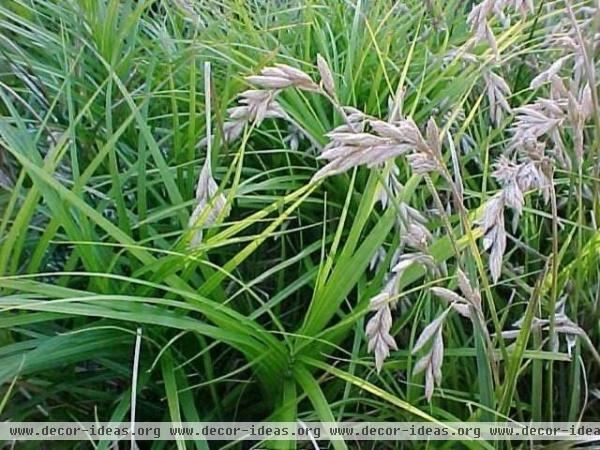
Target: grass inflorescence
315	210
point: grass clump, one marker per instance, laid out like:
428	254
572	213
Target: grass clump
312	210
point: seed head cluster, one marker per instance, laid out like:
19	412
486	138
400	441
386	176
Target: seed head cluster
538	138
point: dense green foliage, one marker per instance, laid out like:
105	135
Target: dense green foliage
102	108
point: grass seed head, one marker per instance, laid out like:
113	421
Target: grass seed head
378	330
326	76
209	203
497	92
